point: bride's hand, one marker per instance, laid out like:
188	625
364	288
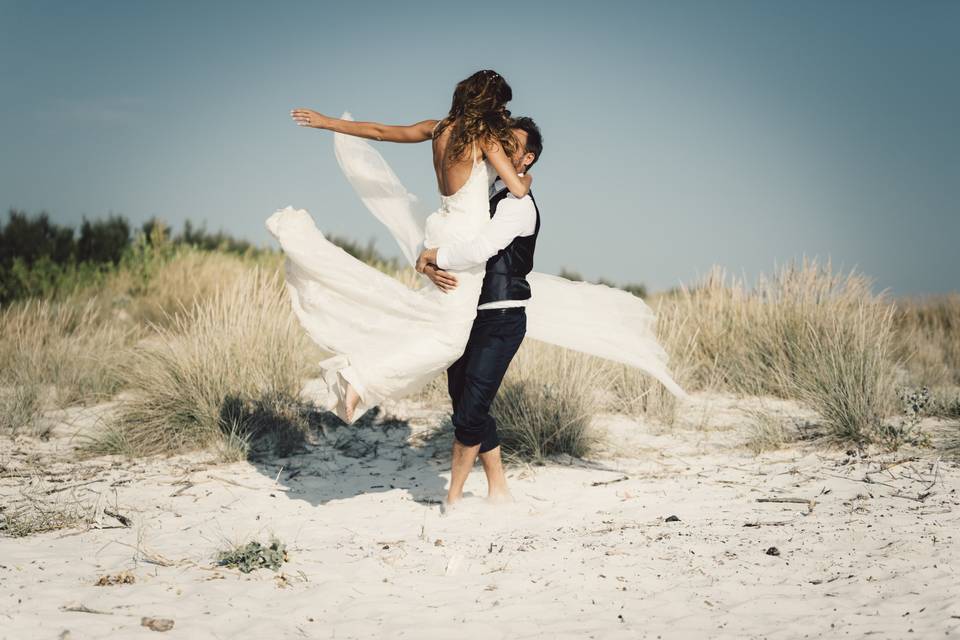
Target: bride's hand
310	118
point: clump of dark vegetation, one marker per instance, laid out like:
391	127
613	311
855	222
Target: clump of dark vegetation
914	404
40	258
254	555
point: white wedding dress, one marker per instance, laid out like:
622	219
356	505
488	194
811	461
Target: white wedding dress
389	340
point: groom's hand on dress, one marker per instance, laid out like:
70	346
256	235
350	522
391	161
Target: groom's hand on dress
444	280
427	256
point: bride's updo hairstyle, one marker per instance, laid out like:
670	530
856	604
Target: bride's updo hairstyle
479	110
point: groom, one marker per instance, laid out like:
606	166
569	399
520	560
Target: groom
507	246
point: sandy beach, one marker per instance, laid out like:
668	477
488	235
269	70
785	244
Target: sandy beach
667	533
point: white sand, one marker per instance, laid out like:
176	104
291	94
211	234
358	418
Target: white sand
371	556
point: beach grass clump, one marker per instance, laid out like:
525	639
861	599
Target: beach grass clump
229	367
947	439
768	430
21	403
928	339
547	401
806	333
56	354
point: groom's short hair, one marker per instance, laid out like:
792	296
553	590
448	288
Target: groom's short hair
534	138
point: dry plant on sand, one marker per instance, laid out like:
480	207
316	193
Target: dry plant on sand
44	505
547	401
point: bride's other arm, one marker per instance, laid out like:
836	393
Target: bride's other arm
518	185
419	132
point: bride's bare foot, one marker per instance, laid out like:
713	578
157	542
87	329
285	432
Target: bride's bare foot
351	403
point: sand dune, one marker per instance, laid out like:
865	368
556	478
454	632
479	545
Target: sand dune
676	533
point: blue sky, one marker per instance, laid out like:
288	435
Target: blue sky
678	135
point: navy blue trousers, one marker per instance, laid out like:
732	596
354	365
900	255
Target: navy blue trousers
474	379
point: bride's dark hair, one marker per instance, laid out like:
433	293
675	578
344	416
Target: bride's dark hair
480	113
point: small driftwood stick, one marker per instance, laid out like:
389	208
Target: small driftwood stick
84	609
603	482
124	520
810	503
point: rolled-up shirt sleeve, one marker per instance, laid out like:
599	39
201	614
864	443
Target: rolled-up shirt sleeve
514	217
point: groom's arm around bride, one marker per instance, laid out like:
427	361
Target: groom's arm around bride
513	217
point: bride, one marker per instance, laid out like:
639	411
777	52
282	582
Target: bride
389	340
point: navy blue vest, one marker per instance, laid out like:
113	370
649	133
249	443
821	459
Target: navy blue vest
505	278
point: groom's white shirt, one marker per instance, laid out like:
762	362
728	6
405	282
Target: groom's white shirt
513	217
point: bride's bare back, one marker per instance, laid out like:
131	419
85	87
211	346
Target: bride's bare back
452	173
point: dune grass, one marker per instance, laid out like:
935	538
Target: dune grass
928	339
68	349
228	368
806	333
55	354
207	346
547	401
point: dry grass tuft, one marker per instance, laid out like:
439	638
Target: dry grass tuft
229	367
547	401
57	353
928	339
42	505
769	431
806	334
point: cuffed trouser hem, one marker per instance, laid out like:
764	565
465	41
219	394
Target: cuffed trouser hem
468	441
490	443
487	440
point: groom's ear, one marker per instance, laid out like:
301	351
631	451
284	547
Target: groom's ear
528	159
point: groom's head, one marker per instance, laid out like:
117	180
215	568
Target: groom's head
531	143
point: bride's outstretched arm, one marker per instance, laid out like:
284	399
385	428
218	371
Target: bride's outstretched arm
419	132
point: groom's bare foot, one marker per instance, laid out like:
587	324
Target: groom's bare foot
447	506
499	496
351	403
497	492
